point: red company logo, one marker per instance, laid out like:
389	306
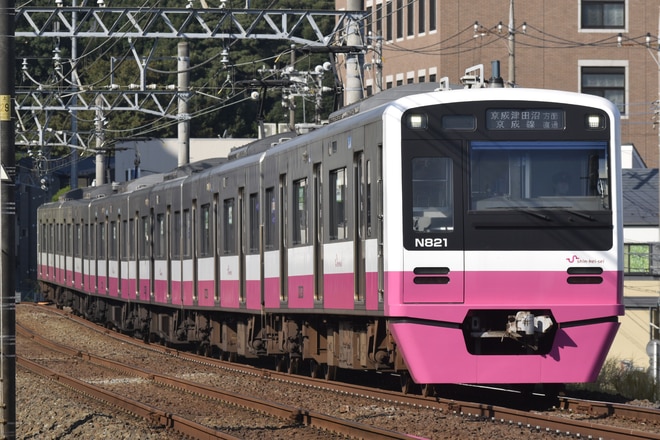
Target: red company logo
574	259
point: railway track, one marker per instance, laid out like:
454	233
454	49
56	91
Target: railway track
187	426
573	418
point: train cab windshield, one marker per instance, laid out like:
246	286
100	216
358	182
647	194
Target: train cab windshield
553	175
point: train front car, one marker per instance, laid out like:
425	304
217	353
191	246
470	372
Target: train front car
503	253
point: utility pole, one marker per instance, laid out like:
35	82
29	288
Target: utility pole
7	221
74	99
292	103
183	66
100	155
353	74
512	46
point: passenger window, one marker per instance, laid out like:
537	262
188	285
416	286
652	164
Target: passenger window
300	225
270	228
205	238
338	220
254	223
229	239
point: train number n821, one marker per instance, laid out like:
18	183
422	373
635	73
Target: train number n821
431	243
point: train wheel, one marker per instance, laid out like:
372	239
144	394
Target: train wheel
314	369
204	350
280	364
428	390
294	365
209	351
330	372
406	382
553	393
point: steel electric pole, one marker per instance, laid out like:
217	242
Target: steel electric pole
7	220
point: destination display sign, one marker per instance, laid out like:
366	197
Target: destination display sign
525	119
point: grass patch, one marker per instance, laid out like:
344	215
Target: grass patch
622	380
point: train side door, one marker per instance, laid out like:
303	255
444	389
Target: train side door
242	244
78	264
192	252
317	212
360	213
102	256
283	244
433	221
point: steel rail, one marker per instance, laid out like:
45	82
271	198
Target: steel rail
540	422
149	413
282	411
600	409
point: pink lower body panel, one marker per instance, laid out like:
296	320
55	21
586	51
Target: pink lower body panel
438	355
206	293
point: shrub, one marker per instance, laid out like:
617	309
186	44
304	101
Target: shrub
621	379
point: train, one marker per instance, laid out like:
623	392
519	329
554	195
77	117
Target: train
469	235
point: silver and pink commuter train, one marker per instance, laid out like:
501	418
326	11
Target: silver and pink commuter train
457	236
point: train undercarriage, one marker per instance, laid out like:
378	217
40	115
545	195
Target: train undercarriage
298	343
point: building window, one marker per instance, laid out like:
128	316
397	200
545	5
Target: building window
432	15
399	19
411	17
637	259
603	14
608	82
388	21
422	16
379	20
369	22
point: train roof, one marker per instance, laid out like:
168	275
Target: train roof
381	98
372	102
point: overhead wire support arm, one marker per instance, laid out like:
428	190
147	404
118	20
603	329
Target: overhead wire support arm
136	22
300	27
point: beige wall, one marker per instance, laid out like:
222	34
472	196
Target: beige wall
161	155
633	336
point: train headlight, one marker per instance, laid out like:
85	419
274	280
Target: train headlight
417	121
595	122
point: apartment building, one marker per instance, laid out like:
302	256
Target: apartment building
603	47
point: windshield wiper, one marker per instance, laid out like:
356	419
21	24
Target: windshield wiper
535	214
581	214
